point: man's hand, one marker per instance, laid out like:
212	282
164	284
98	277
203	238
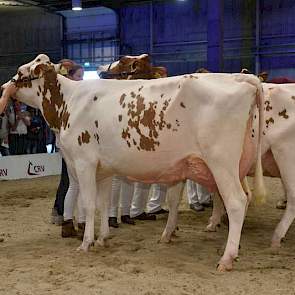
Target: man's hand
9	91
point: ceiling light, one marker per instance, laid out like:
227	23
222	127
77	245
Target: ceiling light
76	5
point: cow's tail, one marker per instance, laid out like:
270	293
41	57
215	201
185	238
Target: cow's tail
259	192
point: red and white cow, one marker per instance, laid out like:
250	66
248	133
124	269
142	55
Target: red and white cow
186	127
278	158
133	67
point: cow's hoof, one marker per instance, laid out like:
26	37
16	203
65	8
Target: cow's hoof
165	239
174	235
102	243
211	228
274	249
221	267
85	246
276	243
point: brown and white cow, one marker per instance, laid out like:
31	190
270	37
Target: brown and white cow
278	158
132	68
196	127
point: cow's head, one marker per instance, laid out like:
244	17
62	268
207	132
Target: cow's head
25	76
128	67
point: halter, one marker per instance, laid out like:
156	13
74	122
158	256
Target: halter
22	80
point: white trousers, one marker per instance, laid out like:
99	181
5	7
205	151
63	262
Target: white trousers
122	190
71	200
197	193
158	197
140	198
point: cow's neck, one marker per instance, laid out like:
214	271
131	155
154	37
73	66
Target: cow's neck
54	102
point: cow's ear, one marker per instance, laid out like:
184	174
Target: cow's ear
40	69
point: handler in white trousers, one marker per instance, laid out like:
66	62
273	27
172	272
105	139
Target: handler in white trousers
140	201
71	200
198	196
122	191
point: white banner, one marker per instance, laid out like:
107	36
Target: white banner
29	166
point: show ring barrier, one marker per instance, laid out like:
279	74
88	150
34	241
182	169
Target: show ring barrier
29	166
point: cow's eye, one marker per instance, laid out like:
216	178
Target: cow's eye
25	79
38	60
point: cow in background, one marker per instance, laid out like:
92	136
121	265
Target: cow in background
132	68
196	127
278	158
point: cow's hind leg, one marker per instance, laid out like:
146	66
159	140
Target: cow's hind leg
217	213
104	191
174	195
87	183
286	167
235	202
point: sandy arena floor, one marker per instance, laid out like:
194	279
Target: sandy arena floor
34	259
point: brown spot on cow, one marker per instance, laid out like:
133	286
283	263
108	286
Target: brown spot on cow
268	106
140	88
293	97
283	114
96	123
95	98
133	95
125	133
96	136
142	115
268	121
120	118
122	98
84	137
182	105
162	95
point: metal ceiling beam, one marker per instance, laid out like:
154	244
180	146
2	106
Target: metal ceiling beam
53	5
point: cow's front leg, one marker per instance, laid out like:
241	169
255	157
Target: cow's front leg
217	213
104	191
174	195
86	176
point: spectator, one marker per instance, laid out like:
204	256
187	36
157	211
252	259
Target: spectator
19	119
35	134
4	130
